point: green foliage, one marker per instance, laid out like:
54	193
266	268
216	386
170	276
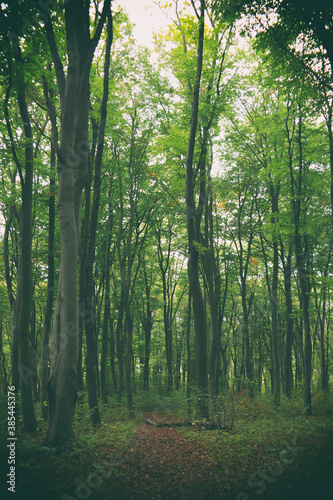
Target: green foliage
267	118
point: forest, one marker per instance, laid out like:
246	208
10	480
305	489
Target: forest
166	250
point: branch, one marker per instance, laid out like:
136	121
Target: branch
106	12
9	128
195	10
52	115
58	66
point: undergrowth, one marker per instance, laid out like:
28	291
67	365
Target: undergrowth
245	453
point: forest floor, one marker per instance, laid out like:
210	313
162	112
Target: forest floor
262	453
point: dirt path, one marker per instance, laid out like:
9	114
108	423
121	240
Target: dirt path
166	465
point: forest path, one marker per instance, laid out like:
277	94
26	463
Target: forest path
164	464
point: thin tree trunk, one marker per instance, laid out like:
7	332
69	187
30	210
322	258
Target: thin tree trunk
106	317
188	354
128	360
29	419
273	299
14	305
91	354
290	329
148	324
44	369
112	355
120	344
302	264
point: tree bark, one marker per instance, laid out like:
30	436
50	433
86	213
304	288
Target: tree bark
273	297
193	218
72	171
302	264
290	329
25	367
91	354
106	316
167	303
128	360
148	325
44	369
14	302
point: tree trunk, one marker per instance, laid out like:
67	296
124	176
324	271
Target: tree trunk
168	336
193	218
304	286
179	349
323	359
164	263
188	354
64	348
91	354
72	171
44	369
289	332
148	325
14	303
120	344
273	299
25	367
112	355
106	317
302	264
128	361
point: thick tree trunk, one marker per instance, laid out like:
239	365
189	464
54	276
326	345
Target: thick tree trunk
64	348
193	217
72	172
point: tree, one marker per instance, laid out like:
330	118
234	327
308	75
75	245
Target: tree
193	217
72	154
21	305
91	364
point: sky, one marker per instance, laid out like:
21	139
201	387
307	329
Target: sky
147	16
